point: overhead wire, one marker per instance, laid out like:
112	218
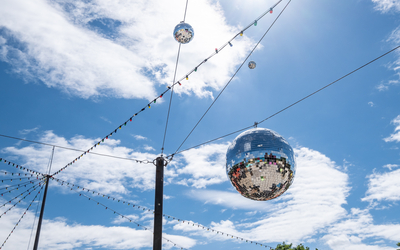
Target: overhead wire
226	85
73	149
291	105
172	88
50	162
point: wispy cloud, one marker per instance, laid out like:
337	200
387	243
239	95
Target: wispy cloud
148	148
385	86
27	131
383	186
395	137
139	137
204	166
105	119
390	166
386	5
63	49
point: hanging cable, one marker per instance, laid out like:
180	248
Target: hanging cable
74	149
291	105
170	100
184	16
172	88
50	162
251	52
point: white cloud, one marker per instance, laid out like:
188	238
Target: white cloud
383	186
103	174
148	148
205	165
27	131
386	85
105	119
390	166
139	137
63	49
371	104
386	5
358	226
396	135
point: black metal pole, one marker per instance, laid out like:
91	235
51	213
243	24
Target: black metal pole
41	214
158	204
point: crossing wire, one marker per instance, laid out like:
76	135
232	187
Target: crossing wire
287	107
251	52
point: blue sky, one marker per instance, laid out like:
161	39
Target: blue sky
73	71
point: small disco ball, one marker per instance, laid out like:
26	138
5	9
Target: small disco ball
260	164
252	65
183	33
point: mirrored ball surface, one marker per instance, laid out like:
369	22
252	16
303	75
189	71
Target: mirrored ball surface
260	164
183	33
252	65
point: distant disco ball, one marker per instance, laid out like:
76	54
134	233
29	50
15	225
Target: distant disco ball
252	65
183	33
260	164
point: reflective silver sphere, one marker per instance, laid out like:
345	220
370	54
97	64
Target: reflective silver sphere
260	164
252	65
183	33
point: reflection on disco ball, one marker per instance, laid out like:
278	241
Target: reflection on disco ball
252	65
183	33
260	164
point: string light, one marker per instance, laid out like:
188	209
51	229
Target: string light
115	212
23	198
230	44
255	23
21	218
18	166
146	209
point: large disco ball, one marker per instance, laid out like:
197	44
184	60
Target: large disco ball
260	164
183	33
